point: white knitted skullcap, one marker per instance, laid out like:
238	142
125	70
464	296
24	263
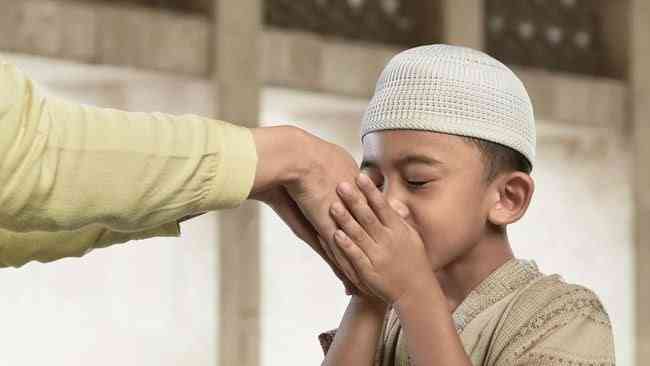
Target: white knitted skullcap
454	90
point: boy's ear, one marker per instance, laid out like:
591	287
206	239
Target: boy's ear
513	192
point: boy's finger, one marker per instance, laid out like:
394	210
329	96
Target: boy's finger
400	208
352	252
351	227
355	254
345	270
352	284
358	207
377	201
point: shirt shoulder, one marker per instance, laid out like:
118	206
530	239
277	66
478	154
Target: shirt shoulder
555	322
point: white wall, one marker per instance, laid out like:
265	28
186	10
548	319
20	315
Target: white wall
155	301
580	222
146	303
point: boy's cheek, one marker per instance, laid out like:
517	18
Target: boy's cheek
443	241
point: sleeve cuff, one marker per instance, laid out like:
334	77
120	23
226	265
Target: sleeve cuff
234	174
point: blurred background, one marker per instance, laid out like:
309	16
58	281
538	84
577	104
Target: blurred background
237	287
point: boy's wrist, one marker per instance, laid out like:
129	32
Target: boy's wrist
427	293
365	303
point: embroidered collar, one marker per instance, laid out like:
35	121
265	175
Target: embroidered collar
511	276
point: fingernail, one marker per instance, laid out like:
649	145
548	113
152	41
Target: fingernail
363	179
339	235
344	188
337	209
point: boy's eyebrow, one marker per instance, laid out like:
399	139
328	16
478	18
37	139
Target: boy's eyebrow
406	160
417	159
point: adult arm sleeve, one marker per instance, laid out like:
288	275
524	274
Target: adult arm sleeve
67	167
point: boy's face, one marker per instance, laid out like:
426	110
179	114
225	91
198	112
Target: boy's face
439	178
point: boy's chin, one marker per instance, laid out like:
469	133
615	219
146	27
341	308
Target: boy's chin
441	261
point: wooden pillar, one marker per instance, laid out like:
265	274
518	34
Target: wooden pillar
463	22
236	55
640	108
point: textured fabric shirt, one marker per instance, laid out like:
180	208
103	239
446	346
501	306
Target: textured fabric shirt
74	177
518	316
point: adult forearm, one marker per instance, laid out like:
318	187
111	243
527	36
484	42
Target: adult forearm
357	338
430	330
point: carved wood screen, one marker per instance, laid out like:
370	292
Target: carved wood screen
562	35
383	21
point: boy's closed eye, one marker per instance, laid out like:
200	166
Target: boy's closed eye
411	181
415	171
417	184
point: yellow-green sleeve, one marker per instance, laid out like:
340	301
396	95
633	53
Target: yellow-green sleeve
66	167
17	249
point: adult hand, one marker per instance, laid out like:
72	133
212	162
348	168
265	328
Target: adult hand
296	175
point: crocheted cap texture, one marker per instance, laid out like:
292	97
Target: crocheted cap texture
454	90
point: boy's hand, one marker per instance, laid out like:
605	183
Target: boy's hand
385	250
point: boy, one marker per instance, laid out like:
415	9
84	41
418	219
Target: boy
449	143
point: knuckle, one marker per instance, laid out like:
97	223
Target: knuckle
347	224
356	234
366	217
358	255
345	219
338	212
352	229
357	200
355	204
378	200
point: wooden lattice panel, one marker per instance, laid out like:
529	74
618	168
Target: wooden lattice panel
382	21
560	35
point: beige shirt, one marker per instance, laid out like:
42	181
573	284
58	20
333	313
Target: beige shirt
519	316
74	178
